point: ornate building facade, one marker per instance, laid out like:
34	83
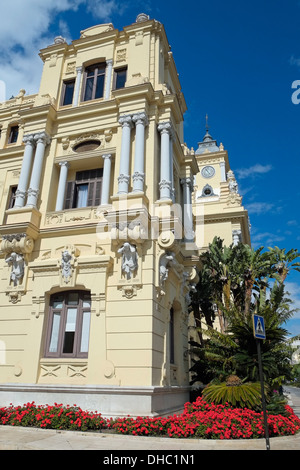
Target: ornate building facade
104	211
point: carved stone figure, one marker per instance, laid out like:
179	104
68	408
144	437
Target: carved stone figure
232	183
129	259
165	263
66	268
16	261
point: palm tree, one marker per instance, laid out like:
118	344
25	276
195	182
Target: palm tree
283	262
240	281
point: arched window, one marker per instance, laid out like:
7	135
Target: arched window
68	326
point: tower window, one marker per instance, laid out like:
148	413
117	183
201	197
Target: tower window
207	191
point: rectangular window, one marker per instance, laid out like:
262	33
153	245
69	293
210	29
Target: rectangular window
84	346
68	92
12	197
69	325
53	348
85	191
13	134
120	77
69	334
94	82
172	337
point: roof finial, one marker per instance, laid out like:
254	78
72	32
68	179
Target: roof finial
207	126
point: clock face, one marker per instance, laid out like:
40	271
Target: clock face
208	171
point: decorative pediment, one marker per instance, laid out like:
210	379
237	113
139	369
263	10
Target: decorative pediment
98	29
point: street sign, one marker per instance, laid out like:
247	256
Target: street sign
259	327
260	333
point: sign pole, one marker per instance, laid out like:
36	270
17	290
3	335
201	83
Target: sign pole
260	334
263	394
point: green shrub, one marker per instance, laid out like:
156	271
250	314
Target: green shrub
235	393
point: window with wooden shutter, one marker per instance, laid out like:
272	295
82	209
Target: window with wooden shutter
85	191
69	195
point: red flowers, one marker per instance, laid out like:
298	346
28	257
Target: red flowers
53	417
199	419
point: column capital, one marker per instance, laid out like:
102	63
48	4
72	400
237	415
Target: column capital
138	176
126	121
42	137
165	128
123	178
21	194
79	69
188	181
140	118
107	156
33	192
164	184
29	139
67	164
109	62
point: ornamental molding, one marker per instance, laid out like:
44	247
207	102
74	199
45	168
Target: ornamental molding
88	136
121	55
17	243
129	291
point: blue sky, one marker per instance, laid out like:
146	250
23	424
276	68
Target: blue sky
237	61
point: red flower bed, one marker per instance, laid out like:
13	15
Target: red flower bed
203	420
52	417
199	419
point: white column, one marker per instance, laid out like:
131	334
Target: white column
25	171
108	74
123	179
223	172
171	167
62	186
187	184
106	179
42	140
77	86
141	121
165	176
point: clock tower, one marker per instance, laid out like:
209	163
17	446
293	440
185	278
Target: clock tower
216	196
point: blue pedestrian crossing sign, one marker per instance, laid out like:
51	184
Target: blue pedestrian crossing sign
259	327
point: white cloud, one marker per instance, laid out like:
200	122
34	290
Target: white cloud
25	28
294	290
259	207
253	171
104	10
266	238
292	222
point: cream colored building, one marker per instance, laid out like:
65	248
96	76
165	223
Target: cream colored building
104	210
